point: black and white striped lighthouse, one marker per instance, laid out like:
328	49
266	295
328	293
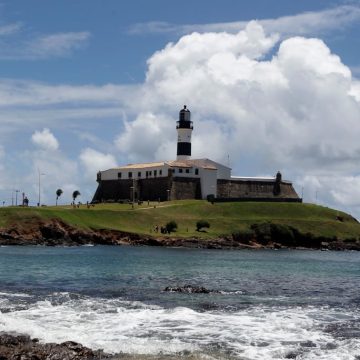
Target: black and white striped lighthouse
184	129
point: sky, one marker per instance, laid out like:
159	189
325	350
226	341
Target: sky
272	85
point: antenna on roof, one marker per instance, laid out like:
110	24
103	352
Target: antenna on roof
228	160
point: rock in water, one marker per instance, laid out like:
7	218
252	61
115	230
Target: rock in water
189	289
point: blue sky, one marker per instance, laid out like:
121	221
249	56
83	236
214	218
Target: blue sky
85	85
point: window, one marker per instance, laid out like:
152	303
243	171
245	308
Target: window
139	174
155	172
149	173
187	171
180	171
130	174
160	172
119	175
196	171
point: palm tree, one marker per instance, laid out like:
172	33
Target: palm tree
58	194
76	193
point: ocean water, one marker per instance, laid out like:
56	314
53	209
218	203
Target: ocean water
268	304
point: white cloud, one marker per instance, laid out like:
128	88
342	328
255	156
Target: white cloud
27	46
147	136
56	45
307	23
45	140
339	191
271	100
32	93
355	90
57	171
10	29
93	161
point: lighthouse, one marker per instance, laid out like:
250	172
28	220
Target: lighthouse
184	129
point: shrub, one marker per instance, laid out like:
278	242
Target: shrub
202	224
171	226
243	236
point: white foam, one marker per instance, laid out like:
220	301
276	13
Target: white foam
120	326
6	294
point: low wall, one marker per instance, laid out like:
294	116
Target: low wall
257	199
254	189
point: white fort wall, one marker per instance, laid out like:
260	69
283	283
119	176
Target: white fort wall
135	173
208	182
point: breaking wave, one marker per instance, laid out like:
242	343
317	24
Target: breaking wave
120	326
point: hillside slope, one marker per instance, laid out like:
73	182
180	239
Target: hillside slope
289	224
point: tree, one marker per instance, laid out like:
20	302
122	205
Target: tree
171	226
202	224
75	194
58	194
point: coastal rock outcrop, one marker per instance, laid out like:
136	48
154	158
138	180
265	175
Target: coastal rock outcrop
55	232
22	347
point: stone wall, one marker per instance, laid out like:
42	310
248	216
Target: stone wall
154	189
112	190
185	188
254	189
148	189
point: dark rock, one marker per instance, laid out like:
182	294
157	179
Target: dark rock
21	347
308	344
189	289
291	355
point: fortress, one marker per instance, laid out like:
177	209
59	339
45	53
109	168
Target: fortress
187	178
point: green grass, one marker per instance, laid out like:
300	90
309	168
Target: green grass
224	218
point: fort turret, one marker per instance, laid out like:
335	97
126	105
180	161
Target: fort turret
184	129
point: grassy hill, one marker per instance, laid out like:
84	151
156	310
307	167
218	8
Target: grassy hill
224	218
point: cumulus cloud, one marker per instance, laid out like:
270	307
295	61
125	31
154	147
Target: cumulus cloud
148	134
297	111
56	171
45	140
242	100
93	161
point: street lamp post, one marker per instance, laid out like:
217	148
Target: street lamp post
132	196
40	174
16	195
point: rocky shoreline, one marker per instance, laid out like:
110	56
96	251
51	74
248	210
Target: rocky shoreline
22	347
55	232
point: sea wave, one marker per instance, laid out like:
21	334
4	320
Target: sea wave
120	326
